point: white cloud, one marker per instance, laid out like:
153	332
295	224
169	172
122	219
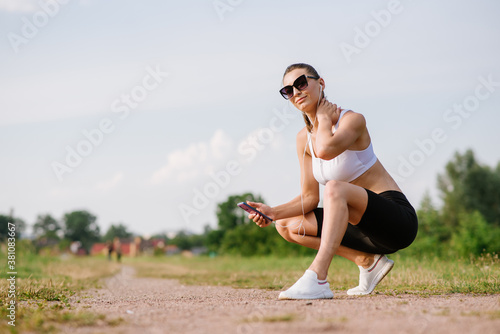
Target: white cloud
110	183
203	158
198	159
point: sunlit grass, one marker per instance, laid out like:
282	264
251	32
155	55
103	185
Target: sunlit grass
263	273
409	276
44	286
47	319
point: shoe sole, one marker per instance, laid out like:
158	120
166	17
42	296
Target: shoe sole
385	270
322	296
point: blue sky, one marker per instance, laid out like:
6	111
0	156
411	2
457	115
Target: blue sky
171	106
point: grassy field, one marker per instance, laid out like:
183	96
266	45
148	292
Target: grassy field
409	276
45	284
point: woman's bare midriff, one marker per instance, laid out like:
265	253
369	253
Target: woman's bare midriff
376	179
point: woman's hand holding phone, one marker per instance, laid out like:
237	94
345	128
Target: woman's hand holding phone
259	219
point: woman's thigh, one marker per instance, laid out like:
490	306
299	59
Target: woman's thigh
301	230
355	197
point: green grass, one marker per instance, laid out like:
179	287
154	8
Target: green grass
276	318
425	276
239	272
45	319
44	286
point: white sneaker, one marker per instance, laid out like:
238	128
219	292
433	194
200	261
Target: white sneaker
369	278
308	287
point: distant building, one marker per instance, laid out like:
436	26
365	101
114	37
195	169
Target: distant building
136	246
99	249
172	250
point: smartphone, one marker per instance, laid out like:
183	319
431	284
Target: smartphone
251	209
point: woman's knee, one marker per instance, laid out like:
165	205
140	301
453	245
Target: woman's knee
353	198
286	229
334	190
281	227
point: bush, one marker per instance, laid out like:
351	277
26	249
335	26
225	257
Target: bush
475	236
250	240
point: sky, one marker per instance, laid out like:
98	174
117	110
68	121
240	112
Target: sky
150	113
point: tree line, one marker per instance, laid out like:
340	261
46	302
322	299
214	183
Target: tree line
468	220
465	223
81	226
75	226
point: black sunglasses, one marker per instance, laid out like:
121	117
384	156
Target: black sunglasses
300	83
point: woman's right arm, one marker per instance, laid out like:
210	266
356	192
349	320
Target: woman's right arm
310	188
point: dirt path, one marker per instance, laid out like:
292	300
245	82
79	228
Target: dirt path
165	306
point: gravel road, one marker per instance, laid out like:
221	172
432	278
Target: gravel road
150	306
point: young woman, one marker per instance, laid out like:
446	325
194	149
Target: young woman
364	216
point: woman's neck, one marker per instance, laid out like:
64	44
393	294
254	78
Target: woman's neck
311	115
314	120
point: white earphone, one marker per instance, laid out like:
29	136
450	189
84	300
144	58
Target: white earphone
320	95
300	222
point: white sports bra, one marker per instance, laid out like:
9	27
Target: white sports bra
347	166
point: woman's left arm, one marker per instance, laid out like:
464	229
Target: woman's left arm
329	144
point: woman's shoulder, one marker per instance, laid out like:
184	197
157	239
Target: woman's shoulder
302	134
344	113
352	118
302	139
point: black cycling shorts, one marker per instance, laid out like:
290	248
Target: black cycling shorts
388	224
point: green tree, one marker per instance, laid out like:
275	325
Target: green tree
20	226
4	225
81	226
213	240
229	215
119	231
239	235
467	186
161	236
182	241
468	222
475	236
186	241
432	233
46	227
